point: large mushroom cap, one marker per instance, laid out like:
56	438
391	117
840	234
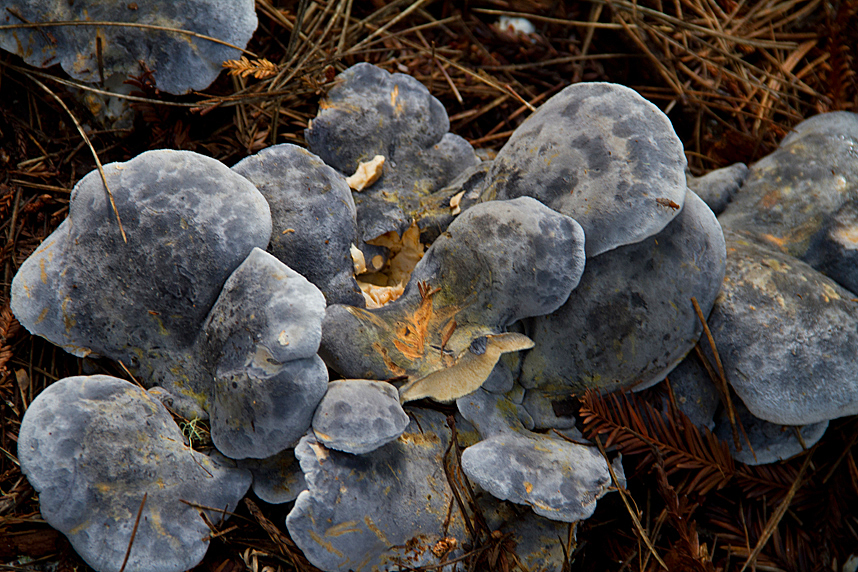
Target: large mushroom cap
190	222
602	154
786	335
497	263
312	215
631	319
383	510
93	447
791	197
181	62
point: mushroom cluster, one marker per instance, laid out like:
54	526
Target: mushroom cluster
301	299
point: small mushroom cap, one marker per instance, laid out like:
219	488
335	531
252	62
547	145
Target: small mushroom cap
498	262
770	442
786	335
180	62
313	217
277	479
93	447
557	479
359	415
602	154
367	110
266	315
631	320
261	341
469	372
375	511
716	188
190	222
790	196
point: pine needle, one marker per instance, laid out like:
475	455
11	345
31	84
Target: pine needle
91	148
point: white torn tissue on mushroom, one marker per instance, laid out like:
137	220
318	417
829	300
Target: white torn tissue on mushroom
367	173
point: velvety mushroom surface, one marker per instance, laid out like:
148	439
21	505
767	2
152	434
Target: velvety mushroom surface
313	217
190	222
631	319
264	331
383	510
558	479
371	112
497	262
786	335
359	415
95	448
801	198
180	61
602	154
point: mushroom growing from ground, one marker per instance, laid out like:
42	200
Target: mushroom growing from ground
180	62
369	113
801	199
102	453
601	154
381	510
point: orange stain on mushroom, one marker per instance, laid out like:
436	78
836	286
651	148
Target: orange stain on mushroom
779	242
385	357
846	236
411	334
770	199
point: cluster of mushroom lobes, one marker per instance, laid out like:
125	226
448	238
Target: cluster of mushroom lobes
568	262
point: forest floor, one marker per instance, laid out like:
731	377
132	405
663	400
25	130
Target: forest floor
733	77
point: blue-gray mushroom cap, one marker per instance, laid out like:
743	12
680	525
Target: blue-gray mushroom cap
631	319
262	336
359	415
180	62
371	112
786	335
383	510
800	199
602	154
93	447
313	217
190	222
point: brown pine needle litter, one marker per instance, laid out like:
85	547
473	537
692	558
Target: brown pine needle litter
733	75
